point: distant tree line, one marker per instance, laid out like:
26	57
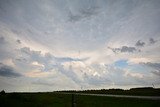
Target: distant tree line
150	91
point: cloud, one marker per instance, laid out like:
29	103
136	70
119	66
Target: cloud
44	64
47	57
7	49
154	66
70	73
83	14
123	49
74	18
152	41
140	43
134	75
2	40
156	72
96	79
18	41
8	71
128	49
28	30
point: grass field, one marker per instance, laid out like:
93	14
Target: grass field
65	100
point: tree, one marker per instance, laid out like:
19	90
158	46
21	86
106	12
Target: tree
2	92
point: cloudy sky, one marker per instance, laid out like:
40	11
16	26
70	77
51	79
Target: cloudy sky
48	45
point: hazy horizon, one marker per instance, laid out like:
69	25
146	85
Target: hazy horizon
48	45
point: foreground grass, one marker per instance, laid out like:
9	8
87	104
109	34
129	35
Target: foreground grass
97	101
35	100
64	100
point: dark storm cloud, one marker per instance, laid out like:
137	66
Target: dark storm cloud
7	71
152	41
123	49
140	43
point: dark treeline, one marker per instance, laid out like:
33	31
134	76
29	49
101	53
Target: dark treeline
146	91
150	91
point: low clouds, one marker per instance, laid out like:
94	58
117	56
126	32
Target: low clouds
47	57
140	43
152	41
47	62
130	49
111	75
124	49
127	49
8	71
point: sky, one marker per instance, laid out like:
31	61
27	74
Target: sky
48	45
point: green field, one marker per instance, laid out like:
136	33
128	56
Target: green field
54	99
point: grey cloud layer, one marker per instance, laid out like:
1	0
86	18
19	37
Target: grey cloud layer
52	16
75	34
8	71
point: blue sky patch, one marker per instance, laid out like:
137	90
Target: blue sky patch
121	63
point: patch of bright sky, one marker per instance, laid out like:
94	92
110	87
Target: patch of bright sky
137	68
121	64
